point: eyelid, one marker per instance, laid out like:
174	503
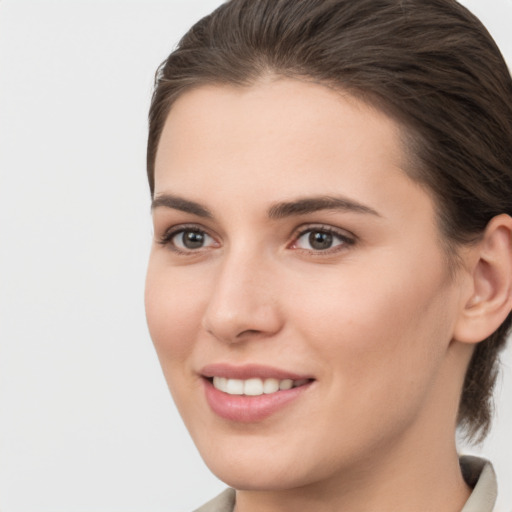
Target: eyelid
167	236
347	237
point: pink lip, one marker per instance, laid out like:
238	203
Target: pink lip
249	409
249	371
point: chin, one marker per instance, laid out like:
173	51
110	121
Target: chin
259	466
252	477
242	469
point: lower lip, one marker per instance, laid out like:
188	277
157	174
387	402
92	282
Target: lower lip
249	409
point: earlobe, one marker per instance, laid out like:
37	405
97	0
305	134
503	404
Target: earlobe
490	300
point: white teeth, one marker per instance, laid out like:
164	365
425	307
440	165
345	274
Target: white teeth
286	384
220	383
270	386
235	387
255	386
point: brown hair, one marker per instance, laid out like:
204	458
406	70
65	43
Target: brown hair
430	64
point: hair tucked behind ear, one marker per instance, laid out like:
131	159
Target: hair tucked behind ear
430	64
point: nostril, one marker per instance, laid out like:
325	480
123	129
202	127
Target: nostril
247	332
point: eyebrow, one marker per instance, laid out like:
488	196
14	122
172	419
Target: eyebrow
179	203
314	204
301	206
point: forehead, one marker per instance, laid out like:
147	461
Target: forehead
292	127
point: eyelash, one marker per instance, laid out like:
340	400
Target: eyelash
166	238
345	239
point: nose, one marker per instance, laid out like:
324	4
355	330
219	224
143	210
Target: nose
244	300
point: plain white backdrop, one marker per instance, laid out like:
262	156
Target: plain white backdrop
86	421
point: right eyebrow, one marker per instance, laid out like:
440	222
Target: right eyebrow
303	206
181	204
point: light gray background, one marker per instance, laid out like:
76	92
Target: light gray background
86	423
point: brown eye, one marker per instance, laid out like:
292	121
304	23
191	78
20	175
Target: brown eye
321	239
191	239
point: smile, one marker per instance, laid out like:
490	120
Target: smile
252	393
255	386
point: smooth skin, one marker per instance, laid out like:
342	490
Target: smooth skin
372	312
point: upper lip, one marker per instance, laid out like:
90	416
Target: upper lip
248	371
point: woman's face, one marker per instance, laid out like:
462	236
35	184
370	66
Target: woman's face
291	249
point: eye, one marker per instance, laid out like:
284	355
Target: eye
321	239
187	240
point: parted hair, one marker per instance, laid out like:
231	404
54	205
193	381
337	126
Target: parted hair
429	64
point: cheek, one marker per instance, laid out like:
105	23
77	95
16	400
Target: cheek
380	345
379	328
173	314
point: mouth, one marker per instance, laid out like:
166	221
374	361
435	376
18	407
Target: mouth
251	393
255	386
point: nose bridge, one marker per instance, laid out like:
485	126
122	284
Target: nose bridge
243	298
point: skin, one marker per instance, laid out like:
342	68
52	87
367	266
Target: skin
374	319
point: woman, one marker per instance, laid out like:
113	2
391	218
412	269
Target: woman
330	282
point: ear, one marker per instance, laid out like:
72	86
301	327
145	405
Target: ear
489	297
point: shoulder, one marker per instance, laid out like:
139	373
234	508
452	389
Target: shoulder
224	502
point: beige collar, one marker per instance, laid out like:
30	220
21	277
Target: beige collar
479	474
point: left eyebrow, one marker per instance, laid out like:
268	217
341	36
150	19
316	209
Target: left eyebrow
181	204
314	204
